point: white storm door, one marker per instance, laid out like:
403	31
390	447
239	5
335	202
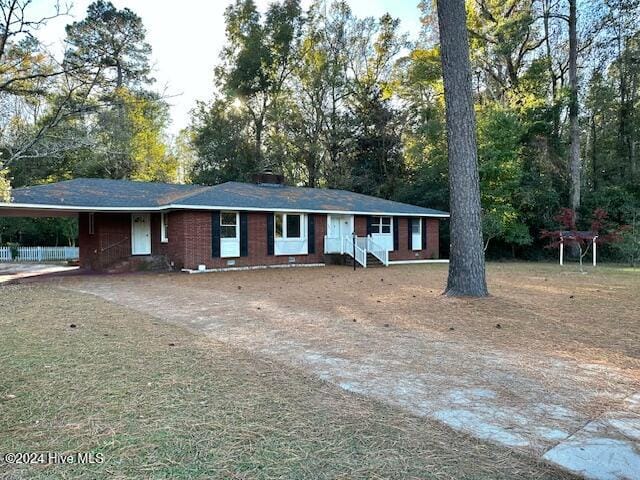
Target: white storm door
140	234
338	226
346	225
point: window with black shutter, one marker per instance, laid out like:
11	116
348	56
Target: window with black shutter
244	234
270	222
215	234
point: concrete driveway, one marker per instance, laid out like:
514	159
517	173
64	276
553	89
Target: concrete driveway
15	271
577	412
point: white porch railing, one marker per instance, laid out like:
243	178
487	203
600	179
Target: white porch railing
332	244
377	251
349	249
364	245
38	254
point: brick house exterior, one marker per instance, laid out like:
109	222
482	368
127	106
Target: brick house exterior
232	225
189	242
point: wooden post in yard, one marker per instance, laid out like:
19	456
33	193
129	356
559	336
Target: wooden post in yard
354	250
561	251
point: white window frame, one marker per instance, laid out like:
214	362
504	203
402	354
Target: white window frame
233	241
92	224
285	245
164	227
376	226
413	243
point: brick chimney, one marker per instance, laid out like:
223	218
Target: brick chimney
267	177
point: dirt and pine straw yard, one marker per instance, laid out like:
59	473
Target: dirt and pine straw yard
319	373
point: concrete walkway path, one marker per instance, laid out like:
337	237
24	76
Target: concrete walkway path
541	403
10	272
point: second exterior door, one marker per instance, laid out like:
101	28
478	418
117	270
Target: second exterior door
140	234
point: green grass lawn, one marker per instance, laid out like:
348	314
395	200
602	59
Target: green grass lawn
160	402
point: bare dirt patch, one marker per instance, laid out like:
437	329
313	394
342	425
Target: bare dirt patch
549	352
83	375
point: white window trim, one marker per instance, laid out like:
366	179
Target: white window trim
237	225
303	226
164	223
92	224
235	240
285	243
379	224
413	246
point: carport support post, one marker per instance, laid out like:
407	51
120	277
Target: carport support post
561	251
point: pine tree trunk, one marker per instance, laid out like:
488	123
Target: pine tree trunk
466	267
574	127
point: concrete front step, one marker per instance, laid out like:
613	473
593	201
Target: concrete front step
143	263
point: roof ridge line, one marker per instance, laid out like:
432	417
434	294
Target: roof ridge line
201	189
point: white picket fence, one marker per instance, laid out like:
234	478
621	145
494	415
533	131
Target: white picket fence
39	254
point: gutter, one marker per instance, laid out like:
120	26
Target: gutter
164	208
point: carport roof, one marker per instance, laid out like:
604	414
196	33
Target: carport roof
92	194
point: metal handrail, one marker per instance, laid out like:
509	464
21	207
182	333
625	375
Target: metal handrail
114	244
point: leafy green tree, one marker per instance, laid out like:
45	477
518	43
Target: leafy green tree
110	45
257	60
5	186
223	150
499	153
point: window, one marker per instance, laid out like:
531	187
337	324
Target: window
228	225
293	226
290	234
288	225
381	225
164	227
92	224
416	233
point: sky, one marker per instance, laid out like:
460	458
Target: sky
186	37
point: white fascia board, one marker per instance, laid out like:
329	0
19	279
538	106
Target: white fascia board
74	208
298	210
36	206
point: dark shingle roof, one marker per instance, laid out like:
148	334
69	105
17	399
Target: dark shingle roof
250	195
118	194
103	193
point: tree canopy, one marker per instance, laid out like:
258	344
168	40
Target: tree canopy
332	99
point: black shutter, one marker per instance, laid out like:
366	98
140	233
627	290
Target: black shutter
311	226
424	233
215	234
369	226
270	233
410	221
244	235
396	240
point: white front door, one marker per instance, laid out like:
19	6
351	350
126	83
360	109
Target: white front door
140	234
338	226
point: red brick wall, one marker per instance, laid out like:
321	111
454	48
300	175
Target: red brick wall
195	228
404	252
110	241
189	242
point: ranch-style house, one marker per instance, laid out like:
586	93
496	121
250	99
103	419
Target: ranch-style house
231	225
